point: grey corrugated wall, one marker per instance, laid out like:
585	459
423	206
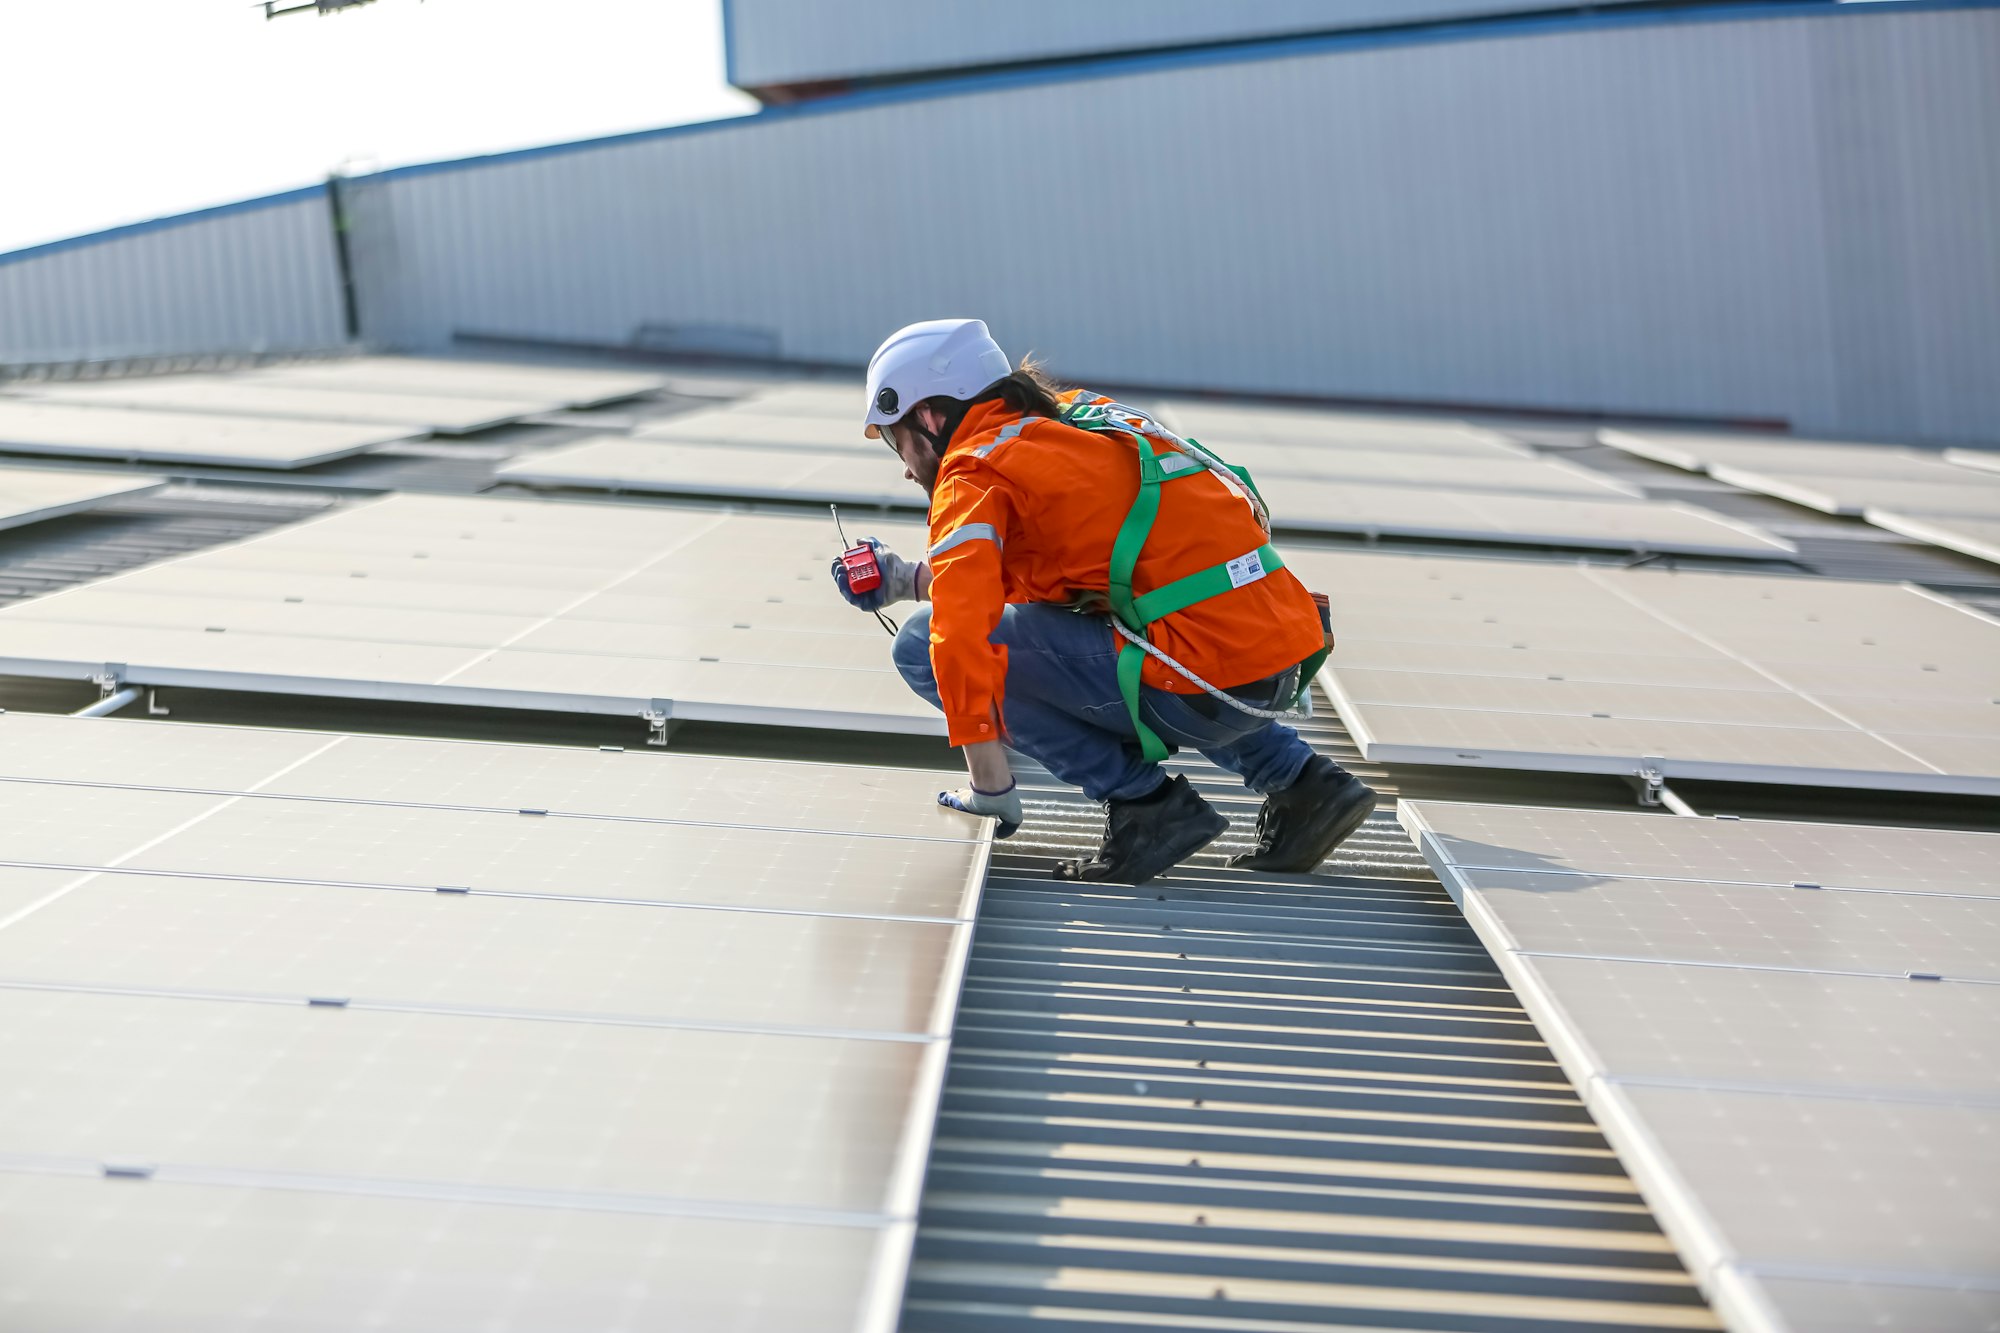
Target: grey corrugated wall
254	277
774	42
1773	218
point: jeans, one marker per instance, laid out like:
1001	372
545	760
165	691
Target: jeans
1063	708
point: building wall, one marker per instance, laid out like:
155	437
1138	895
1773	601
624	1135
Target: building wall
1784	218
257	276
777	42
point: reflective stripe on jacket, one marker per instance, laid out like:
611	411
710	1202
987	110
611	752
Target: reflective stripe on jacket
1027	510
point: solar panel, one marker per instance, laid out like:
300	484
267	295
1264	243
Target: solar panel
30	495
1985	460
1976	537
686	467
505	603
213	1253
1782	1028
867	475
1950	500
353	977
569	386
1727	677
33	426
233	395
1228	426
741	426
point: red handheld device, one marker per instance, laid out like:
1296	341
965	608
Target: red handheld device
864	573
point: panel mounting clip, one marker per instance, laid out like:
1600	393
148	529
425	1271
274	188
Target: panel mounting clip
109	680
659	718
1652	782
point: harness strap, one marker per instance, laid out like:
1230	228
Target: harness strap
1137	613
1207	583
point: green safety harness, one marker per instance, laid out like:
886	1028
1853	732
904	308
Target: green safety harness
1186	458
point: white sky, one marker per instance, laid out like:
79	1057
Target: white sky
118	110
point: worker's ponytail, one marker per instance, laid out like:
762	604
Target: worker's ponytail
1028	390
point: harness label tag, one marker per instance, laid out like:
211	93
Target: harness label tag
1245	569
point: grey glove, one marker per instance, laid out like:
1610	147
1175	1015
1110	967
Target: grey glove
1004	806
899	576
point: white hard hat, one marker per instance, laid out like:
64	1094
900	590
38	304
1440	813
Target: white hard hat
949	358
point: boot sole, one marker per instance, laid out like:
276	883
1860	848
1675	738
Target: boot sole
1163	856
1341	831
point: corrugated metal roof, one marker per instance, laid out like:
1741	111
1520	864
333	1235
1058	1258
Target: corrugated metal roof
45	557
1258	1102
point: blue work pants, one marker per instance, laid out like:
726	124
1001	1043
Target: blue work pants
1063	708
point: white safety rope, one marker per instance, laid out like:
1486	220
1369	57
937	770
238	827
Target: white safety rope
1302	709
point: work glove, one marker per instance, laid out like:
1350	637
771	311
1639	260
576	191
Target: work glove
899	580
1004	806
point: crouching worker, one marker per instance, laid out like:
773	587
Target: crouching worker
1101	592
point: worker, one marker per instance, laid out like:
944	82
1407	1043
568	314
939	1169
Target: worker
1100	592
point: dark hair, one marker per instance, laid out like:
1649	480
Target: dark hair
1028	390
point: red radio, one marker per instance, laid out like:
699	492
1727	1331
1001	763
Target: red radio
864	572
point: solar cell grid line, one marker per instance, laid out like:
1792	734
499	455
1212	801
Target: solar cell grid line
31	426
1744	1006
247	395
728	1058
34	495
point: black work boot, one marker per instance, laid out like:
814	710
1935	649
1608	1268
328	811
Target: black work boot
1146	836
1300	826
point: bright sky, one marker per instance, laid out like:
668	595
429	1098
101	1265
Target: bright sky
119	110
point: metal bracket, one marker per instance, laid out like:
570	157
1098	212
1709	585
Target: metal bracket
154	707
1654	793
1652	782
659	718
110	680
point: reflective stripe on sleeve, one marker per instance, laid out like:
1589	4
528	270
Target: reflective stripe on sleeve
968	532
1007	432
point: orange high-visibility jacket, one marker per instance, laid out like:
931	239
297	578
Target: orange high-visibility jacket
1029	513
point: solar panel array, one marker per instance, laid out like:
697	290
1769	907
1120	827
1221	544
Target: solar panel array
1321	472
591	608
292	416
33	426
375	1031
1588	670
801	443
1788	1030
413	413
30	495
1950	499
